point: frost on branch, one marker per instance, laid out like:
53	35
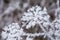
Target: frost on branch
12	32
36	15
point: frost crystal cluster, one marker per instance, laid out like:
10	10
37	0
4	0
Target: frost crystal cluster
11	32
36	15
56	25
37	18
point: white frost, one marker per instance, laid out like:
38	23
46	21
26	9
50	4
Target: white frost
35	15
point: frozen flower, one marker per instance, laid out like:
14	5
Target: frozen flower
12	32
35	15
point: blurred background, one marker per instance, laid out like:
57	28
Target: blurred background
12	10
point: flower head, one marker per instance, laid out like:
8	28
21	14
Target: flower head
35	15
11	32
